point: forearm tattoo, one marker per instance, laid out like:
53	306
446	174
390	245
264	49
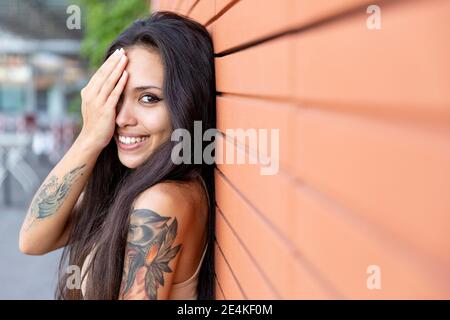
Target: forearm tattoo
51	195
148	254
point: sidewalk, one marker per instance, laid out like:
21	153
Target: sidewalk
22	276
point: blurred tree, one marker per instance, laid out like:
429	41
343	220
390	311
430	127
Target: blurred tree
74	104
104	21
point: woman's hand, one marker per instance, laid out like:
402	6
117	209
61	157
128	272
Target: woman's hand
99	100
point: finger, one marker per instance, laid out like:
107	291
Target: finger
117	91
104	71
110	83
111	58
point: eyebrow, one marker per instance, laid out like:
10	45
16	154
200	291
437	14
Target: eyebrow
141	88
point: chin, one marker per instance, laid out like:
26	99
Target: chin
130	163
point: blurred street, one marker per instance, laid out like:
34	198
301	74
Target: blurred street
22	276
41	73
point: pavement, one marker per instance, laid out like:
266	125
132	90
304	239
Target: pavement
23	276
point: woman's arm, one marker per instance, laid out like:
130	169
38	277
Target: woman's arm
64	238
45	226
157	231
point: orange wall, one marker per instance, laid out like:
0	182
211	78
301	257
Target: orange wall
364	119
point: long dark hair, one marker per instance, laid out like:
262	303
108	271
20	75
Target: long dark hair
102	219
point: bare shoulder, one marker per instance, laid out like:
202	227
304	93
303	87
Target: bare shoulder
175	215
171	198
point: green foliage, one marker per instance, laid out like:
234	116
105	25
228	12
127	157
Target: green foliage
104	21
74	106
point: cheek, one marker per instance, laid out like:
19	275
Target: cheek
156	121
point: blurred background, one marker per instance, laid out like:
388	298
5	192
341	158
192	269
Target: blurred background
48	49
359	90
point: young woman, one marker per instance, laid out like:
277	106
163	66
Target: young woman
136	224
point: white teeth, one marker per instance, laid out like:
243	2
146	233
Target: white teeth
132	140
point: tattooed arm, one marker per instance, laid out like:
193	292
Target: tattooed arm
156	235
45	226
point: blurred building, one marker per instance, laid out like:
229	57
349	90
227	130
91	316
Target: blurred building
40	69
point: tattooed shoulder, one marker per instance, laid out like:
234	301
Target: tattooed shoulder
149	251
51	195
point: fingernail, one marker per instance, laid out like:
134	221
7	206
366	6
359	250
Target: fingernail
121	50
116	52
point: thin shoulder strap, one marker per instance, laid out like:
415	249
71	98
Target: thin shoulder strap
201	260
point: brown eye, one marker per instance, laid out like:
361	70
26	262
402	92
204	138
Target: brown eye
148	98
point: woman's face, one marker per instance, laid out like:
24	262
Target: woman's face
142	120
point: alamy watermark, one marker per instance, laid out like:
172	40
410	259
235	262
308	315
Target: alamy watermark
373	281
73	281
263	147
73	21
373	22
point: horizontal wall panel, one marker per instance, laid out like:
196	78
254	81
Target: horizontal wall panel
250	20
225	277
265	70
276	259
203	11
257	114
325	236
308	12
362	73
255	187
184	6
341	247
219	293
397	178
403	65
251	280
224	4
394	222
161	5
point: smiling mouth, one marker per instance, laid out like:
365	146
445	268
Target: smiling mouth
131	140
127	143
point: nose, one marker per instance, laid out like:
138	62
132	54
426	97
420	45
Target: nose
125	114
